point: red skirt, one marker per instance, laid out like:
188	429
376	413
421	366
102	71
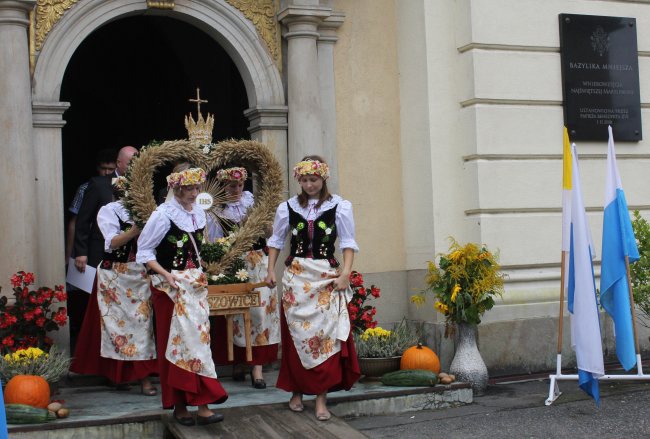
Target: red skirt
339	372
179	386
218	343
87	355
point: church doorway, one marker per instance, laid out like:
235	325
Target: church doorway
129	82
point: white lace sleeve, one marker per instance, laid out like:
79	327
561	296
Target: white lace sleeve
152	234
280	227
109	225
345	225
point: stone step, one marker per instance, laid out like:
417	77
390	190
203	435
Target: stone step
273	421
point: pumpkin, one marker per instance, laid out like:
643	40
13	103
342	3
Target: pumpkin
31	390
420	357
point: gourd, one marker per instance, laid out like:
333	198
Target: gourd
420	357
410	378
26	414
28	389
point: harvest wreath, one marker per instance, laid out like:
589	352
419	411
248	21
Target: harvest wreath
256	157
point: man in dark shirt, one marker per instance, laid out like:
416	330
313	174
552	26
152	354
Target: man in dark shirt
88	245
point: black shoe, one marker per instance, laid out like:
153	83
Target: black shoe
258	383
212	419
187	421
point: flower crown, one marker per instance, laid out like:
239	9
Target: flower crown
311	167
186	178
236	173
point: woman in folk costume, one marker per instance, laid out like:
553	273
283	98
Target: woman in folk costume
318	353
265	319
116	339
170	246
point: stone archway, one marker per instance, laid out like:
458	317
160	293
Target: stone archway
267	111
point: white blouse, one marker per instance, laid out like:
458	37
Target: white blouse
344	220
108	220
159	224
234	211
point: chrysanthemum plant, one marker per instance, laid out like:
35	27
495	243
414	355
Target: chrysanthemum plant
377	342
464	284
34	361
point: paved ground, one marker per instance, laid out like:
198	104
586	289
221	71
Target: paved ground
517	410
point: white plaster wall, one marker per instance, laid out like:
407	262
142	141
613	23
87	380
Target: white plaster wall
511	123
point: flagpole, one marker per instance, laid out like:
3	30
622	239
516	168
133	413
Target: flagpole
636	336
561	317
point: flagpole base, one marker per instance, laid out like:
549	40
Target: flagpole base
554	390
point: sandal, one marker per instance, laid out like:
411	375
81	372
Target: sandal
296	407
148	391
323	416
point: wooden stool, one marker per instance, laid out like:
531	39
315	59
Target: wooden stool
231	299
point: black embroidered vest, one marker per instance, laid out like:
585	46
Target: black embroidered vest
174	256
230	225
125	253
319	244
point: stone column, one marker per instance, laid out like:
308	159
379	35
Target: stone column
326	43
18	211
305	112
48	122
268	125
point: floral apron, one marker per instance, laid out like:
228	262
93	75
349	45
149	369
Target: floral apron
124	301
188	345
265	319
316	314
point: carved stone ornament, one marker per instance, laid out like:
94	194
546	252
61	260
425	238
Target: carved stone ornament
48	13
262	13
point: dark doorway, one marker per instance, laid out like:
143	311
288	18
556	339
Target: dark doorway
129	83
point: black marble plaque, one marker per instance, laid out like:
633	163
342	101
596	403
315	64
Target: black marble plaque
600	77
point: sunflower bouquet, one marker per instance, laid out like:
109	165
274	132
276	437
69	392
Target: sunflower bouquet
464	283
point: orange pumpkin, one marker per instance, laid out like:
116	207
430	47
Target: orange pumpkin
420	357
28	389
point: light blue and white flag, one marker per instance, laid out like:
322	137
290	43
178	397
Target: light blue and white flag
618	242
581	286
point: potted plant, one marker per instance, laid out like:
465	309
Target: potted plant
33	313
464	285
362	316
380	351
33	361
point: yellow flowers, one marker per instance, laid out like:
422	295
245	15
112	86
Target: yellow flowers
24	355
378	332
441	307
463	282
455	292
418	299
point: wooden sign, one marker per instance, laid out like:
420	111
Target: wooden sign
219	301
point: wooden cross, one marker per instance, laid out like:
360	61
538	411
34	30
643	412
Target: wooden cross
198	101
